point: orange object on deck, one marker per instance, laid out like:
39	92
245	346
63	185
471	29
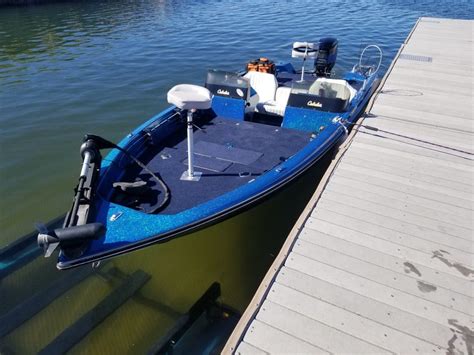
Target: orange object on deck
263	65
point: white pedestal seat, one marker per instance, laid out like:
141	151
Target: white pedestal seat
191	98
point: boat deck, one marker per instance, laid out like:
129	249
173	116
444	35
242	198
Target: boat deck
228	153
381	260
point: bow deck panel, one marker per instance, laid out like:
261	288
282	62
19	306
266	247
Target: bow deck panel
229	153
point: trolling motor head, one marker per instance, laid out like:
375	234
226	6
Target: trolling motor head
91	141
71	238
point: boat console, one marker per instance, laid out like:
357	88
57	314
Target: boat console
264	92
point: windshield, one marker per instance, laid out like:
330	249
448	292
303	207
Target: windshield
321	94
227	84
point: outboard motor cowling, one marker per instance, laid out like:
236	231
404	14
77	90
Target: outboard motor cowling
327	55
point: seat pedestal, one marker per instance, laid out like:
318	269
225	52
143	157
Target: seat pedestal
190	174
191	98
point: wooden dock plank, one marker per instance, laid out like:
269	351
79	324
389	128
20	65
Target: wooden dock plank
411	182
430	49
444	151
426	238
407	167
408	162
246	348
383	276
396	222
366	307
388	247
388	261
417	225
372	333
433	105
424	176
298	320
427	103
383	255
406	189
397	195
363	286
417	152
455	139
462	219
396	90
412	81
443	37
436	68
431	70
272	340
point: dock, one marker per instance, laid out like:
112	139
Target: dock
381	259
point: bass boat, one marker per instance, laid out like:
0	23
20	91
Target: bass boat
219	149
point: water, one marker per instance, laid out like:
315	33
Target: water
104	67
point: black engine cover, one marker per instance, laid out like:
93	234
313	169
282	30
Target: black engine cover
327	55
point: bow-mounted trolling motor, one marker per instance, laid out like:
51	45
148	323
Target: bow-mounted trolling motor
76	232
74	237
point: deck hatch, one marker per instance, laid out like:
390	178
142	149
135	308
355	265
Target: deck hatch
227	152
209	163
417	58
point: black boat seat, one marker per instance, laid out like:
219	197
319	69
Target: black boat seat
190	97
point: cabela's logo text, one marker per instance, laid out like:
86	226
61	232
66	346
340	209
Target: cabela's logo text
223	92
314	104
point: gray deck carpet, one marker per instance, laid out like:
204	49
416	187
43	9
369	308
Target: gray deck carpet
229	153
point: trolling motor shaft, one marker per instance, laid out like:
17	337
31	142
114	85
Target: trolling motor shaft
76	232
88	157
85	189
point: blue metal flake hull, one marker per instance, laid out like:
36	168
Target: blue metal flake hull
128	229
